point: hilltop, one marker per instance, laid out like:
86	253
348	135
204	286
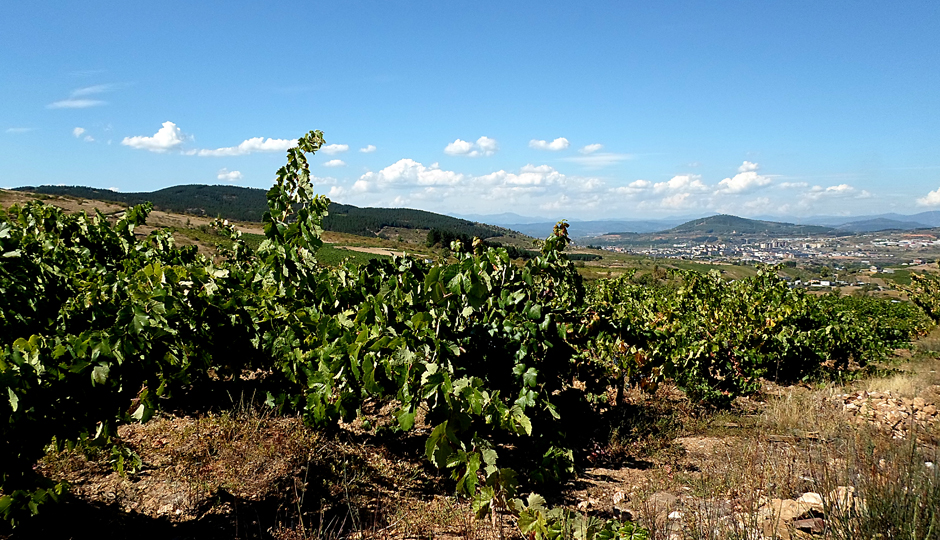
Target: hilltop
717	228
725	224
249	205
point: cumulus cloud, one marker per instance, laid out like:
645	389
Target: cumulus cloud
633	188
747	166
231	176
77	132
169	136
591	148
332	149
841	190
529	175
679	200
931	199
681	182
746	180
458	148
248	146
560	143
367	149
335	163
484	146
406	172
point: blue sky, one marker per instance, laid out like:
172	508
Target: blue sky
577	110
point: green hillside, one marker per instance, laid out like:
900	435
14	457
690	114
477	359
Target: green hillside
727	224
249	204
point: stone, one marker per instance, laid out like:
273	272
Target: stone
662	502
813	501
812	525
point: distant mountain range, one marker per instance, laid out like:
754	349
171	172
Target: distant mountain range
249	204
541	227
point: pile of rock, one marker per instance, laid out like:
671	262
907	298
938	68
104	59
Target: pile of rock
682	516
888	411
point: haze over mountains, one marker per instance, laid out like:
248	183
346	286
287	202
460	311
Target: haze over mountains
540	227
249	204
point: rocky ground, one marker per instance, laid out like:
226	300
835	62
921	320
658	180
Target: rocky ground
796	462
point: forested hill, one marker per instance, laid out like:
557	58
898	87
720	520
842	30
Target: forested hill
229	202
249	204
726	224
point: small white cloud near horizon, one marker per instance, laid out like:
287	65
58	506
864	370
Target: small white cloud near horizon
20	130
332	149
77	132
591	148
167	137
335	163
368	149
484	146
746	180
248	146
560	143
931	199
231	176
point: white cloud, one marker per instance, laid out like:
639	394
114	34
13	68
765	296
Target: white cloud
77	132
115	189
332	149
368	149
77	98
248	146
591	148
75	103
560	143
931	199
335	163
529	175
597	161
20	130
487	145
484	146
458	148
88	138
746	180
747	166
681	182
406	172
169	136
91	90
231	176
633	188
793	185
679	200
563	202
